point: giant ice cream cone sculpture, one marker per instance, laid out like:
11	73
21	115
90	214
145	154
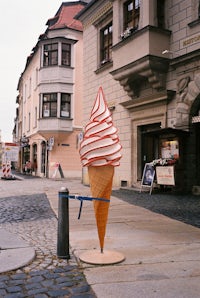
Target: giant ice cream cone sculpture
100	152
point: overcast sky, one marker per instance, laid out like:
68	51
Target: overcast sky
21	23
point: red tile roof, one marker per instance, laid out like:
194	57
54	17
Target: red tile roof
65	17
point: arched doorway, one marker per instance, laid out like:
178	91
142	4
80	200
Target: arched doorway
34	159
195	139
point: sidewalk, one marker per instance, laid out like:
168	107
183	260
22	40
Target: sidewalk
162	254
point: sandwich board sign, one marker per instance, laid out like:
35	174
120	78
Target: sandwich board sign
148	177
165	175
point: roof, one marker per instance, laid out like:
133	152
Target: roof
64	17
90	4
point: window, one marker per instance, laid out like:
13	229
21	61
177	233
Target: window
65	105
106	43
66	54
36	77
30	84
161	14
131	14
35	124
29	121
50	54
49	105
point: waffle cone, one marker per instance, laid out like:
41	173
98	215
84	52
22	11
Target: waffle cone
101	186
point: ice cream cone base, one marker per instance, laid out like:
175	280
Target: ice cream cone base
106	258
101	186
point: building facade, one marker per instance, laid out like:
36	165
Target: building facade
48	123
146	56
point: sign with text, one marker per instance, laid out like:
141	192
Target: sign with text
10	152
165	175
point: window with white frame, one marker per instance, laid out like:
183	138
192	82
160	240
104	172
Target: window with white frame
50	56
65	105
66	54
57	53
49	105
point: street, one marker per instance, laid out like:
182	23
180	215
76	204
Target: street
26	212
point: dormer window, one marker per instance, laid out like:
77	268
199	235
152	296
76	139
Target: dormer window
131	14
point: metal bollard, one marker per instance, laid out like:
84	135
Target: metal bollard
63	224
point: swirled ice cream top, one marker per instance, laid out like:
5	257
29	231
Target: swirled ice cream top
100	145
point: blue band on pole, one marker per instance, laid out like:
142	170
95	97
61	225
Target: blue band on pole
81	199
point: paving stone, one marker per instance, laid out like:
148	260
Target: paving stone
182	207
32	219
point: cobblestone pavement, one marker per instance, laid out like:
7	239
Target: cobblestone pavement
182	207
32	219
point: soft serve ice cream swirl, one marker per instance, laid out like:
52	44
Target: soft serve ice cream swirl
100	145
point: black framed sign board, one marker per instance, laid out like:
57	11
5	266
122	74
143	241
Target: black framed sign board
148	177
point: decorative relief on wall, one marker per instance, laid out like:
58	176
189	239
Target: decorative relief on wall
188	92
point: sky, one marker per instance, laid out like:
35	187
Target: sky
21	23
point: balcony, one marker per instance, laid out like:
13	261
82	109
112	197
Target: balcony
48	126
139	56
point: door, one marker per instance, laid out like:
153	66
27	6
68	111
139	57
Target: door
197	135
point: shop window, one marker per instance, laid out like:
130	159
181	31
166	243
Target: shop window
169	149
131	14
106	44
50	56
49	105
65	107
66	54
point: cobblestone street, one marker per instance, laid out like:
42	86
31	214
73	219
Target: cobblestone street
29	208
30	217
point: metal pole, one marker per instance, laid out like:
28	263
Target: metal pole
63	224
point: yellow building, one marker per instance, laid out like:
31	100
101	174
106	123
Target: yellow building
48	125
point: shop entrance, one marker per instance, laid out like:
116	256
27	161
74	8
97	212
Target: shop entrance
149	144
197	137
43	158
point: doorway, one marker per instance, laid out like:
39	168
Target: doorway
149	144
197	151
43	158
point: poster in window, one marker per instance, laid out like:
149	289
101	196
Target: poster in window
64	113
46	113
170	149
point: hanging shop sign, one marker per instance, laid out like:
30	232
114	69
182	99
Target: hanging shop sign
165	175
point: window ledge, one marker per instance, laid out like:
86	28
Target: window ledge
194	23
104	66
